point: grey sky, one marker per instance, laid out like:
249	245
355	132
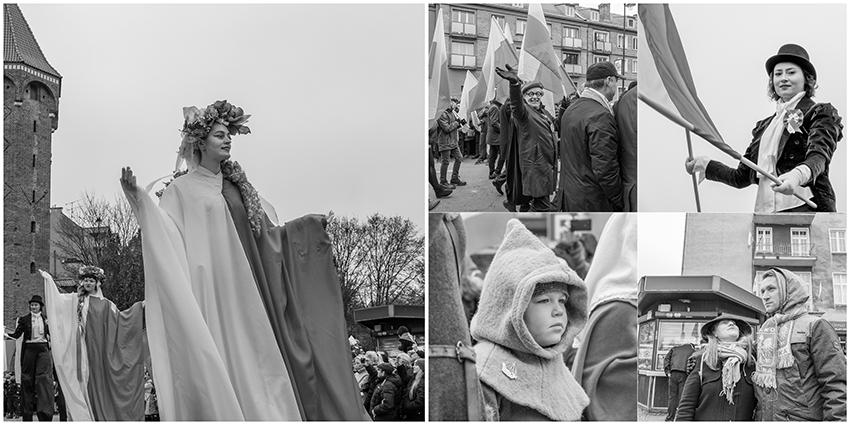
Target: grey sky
726	47
661	239
335	92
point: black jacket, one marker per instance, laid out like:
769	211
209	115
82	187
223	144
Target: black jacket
414	409
701	399
813	145
25	328
386	400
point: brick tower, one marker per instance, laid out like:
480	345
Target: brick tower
30	116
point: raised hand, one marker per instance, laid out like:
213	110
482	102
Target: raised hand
128	180
509	74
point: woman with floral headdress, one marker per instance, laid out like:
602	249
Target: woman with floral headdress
228	294
796	143
720	387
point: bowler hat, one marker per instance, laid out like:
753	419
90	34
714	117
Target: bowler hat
602	70
530	85
743	327
37	299
791	53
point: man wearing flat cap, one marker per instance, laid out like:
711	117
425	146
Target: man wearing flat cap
590	167
536	140
36	362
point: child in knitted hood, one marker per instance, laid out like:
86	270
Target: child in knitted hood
531	308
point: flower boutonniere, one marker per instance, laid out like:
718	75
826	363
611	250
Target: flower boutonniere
793	121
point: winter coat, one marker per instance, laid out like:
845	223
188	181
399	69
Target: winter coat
626	115
813	145
701	399
590	158
521	379
386	399
536	146
414	409
447	126
494	128
509	148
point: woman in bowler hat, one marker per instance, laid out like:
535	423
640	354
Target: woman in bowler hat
795	144
720	387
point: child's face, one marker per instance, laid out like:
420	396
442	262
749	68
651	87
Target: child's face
546	317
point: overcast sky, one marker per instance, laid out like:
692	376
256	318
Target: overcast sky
661	240
336	94
726	47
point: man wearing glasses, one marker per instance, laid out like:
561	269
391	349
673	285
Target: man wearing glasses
536	140
590	166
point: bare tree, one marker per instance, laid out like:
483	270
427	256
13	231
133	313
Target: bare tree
105	234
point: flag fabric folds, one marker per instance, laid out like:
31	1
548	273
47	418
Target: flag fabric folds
538	61
500	51
668	54
439	96
470	83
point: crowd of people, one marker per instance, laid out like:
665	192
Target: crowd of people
393	387
582	157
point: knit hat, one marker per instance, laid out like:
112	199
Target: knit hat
521	263
402	330
530	85
386	367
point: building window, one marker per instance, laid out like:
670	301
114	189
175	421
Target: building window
601	41
630	22
764	239
34	126
463	54
594	15
463	22
570	58
618	63
500	20
806	277
620	40
634	43
570	32
33	92
33	161
571	38
600	36
597	59
839	288
799	241
570	11
837	241
32	227
520	26
32	268
634	65
549	28
672	334
33	196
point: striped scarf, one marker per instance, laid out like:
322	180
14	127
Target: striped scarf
774	347
733	355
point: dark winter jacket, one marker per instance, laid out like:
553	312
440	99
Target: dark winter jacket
414	409
386	400
590	163
24	328
447	126
813	145
701	399
626	115
494	128
536	146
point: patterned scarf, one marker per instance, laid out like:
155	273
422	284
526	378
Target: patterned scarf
232	171
732	355
774	342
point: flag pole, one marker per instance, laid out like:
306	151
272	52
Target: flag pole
693	176
672	116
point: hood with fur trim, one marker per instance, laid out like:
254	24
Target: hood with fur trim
522	262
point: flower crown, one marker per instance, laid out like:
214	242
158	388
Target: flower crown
198	122
91	271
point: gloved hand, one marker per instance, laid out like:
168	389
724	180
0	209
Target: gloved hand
792	180
697	165
509	74
462	121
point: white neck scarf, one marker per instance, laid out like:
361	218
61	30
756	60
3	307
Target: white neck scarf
590	93
767	200
37	327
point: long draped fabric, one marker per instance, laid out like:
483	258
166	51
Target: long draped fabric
296	278
213	351
109	357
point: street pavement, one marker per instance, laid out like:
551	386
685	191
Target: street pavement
644	415
479	194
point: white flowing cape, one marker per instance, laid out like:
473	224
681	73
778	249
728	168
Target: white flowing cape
212	348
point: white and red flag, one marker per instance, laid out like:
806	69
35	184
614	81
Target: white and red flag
439	96
500	51
538	61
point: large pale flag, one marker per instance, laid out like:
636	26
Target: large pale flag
538	61
500	51
469	85
439	96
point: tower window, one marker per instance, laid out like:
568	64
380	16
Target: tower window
32	268
34	126
33	160
33	196
32	227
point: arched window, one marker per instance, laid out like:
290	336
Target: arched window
32	268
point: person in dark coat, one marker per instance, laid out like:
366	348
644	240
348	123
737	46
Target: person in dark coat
626	115
796	143
36	363
512	176
387	397
494	133
676	369
447	142
535	140
720	387
369	365
413	399
590	146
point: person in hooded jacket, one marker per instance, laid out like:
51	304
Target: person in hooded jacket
386	399
801	370
532	306
413	399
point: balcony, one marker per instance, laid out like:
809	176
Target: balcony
785	254
574	69
572	43
463	29
602	46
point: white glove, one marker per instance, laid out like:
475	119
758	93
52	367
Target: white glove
698	166
793	179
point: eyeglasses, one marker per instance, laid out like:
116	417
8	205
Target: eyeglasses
534	93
